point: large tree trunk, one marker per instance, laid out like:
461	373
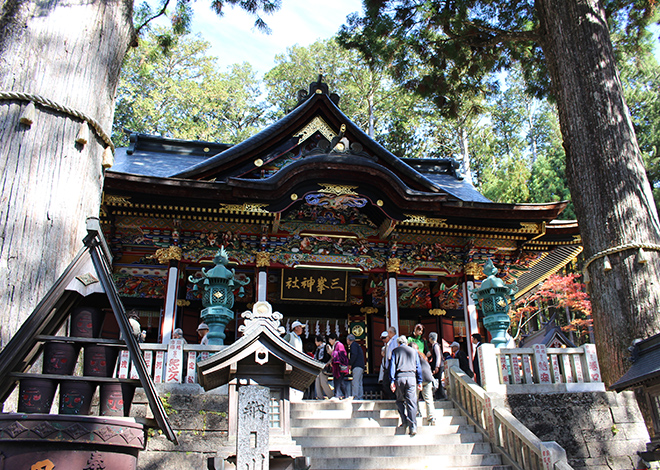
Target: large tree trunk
610	191
71	53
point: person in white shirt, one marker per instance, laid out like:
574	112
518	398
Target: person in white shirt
392	344
294	337
202	331
296	341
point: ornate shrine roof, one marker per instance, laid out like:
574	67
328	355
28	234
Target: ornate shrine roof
315	160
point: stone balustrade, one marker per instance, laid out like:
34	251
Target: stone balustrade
540	369
175	362
520	447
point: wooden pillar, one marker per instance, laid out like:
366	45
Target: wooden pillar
171	256
470	312
263	262
392	294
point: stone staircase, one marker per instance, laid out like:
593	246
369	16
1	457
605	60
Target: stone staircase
352	435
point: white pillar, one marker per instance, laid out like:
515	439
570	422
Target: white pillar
470	312
262	286
393	303
169	311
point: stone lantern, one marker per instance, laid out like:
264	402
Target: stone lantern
495	298
218	298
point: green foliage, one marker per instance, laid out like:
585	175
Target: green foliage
450	53
178	92
405	124
182	13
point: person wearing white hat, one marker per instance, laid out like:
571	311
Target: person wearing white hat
384	337
202	331
296	341
294	337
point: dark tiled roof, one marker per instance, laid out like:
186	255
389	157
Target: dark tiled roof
150	155
646	365
443	174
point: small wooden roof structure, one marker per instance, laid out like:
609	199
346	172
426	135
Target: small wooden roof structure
89	272
645	369
550	335
261	343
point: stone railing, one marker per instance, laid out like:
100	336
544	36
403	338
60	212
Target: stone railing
519	446
175	362
540	369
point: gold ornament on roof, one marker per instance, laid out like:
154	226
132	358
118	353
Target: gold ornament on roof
423	220
182	303
164	255
438	312
317	124
368	310
338	189
531	227
112	200
263	259
245	207
393	265
473	269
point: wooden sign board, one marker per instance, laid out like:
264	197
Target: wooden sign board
314	285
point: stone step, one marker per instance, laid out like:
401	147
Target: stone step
361	435
430	466
434	462
396	449
350	413
361	405
372	439
393	421
377	431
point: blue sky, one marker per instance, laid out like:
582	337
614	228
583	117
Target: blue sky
234	38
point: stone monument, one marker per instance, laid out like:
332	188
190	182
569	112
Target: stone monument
252	451
260	368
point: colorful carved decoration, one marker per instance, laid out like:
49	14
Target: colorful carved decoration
416	296
376	289
450	298
147	287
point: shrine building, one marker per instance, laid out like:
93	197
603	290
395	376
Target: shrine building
329	227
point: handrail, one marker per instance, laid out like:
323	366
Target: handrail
520	447
539	369
174	362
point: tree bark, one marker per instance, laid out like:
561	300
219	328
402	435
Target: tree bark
609	187
464	145
71	53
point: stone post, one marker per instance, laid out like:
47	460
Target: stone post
252	440
591	359
541	366
490	380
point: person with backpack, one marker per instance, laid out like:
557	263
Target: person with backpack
340	367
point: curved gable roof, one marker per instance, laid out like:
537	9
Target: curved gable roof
282	136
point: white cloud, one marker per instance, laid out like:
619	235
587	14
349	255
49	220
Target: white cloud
234	38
